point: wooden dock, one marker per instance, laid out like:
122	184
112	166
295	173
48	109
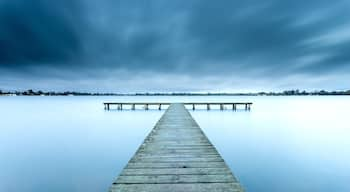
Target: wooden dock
146	106
176	156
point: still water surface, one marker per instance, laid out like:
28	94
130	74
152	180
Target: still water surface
72	144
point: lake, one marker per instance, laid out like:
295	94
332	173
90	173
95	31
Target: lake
296	143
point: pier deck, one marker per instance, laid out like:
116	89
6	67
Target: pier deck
176	156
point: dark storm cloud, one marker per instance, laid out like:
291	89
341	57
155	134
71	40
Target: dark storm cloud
260	40
38	31
337	58
138	35
272	32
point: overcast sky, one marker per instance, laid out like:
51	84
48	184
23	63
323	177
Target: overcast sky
182	45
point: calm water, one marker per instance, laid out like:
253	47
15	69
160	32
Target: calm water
72	144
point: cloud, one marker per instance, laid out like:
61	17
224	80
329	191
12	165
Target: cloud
268	34
229	41
38	31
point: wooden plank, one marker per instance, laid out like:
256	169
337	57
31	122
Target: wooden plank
182	164
188	103
145	155
183	187
176	159
176	156
157	179
176	171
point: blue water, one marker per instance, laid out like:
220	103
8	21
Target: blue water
72	144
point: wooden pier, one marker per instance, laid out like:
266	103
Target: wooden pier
146	106
175	157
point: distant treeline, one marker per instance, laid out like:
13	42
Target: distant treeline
30	92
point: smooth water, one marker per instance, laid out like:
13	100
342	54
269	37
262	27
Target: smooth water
73	144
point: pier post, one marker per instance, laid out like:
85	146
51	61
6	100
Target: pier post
208	106
246	106
234	107
146	106
221	107
160	107
133	106
193	107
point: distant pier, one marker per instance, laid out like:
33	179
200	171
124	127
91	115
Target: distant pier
193	105
176	156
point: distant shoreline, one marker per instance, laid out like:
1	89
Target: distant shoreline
73	93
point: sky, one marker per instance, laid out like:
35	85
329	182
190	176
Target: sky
174	46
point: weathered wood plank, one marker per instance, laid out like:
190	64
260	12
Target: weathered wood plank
157	179
176	159
183	187
176	156
182	164
176	171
